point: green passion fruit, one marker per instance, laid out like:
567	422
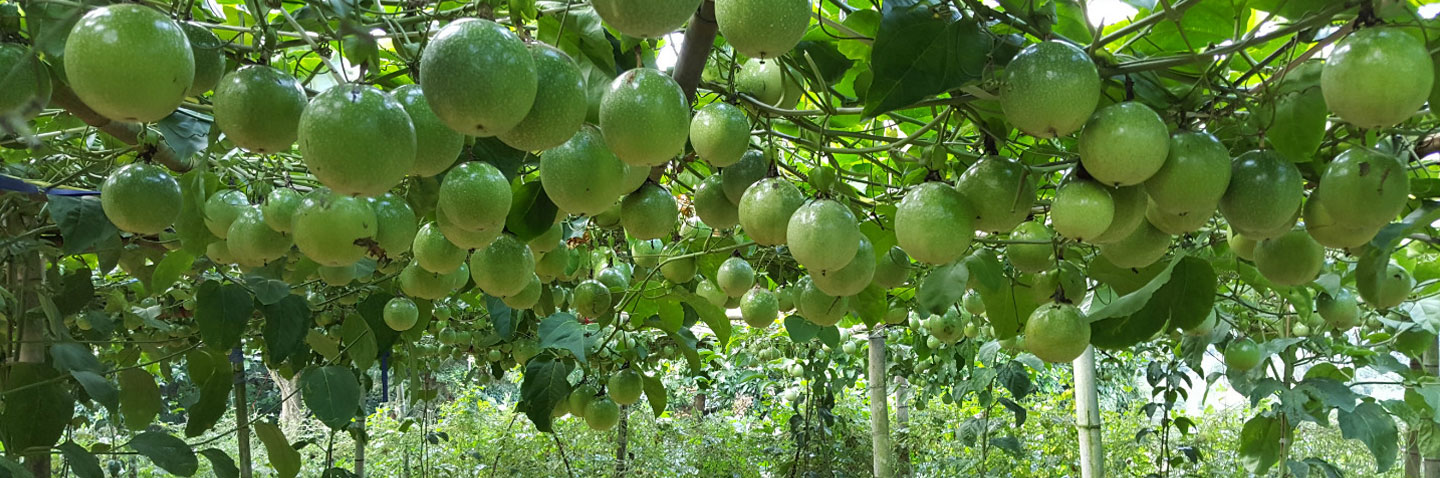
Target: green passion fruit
766	209
1082	210
141	198
559	107
645	117
329	228
1242	355
1194	177
759	307
478	77
503	268
823	235
818	307
258	107
209	55
1050	89
1329	232
1130	204
735	276
357	140
762	28
1033	252
1291	259
1377	77
435	253
933	223
851	279
592	299
625	387
1176	224
1264	194
395	223
129	62
1340	310
436	145
713	207
401	314
1384	289
1141	248
649	213
645	18
476	196
581	176
222	208
25	87
1124	144
1364	187
892	268
254	243
763	80
1057	333
990	184
720	134
738	178
279	208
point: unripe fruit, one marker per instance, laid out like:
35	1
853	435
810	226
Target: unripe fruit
1050	89
1001	191
1057	333
129	62
436	145
933	223
478	77
357	140
258	107
645	117
1124	144
766	208
762	28
1377	77
400	314
823	235
720	134
1082	210
559	107
140	198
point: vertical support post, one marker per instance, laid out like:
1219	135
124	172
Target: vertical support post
1087	416
29	276
695	51
1432	368
360	438
622	440
902	419
882	451
242	412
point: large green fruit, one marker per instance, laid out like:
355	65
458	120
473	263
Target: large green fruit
435	253
342	275
635	176
1244	247
676	268
357	140
478	77
1377	77
436	145
823	235
933	223
1057	333
1194	177
892	269
762	28
503	268
625	387
580	397
1242	355
1130	207
1329	232
763	80
258	107
851	279
581	176
209	55
649	213
222	208
645	117
947	327
129	62
1264	194
141	198
720	134
645	18
1082	210
766	209
1124	144
328	226
252	242
592	299
711	293
1363	187
464	238
759	307
395	223
1001	191
559	107
713	207
602	414
647	254
401	314
476	196
736	179
1141	248
1340	310
1384	289
279	208
528	297
735	276
1034	252
1050	89
1290	260
1177	224
817	306
25	86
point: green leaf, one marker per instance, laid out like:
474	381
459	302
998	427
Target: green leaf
870	305
186	132
545	385
827	56
1131	303
373	310
829	335
655	393
81	221
267	290
1372	425
76	292
69	356
918	53
10	469
799	329
81	461
943	287
283	457
713	316
1123	280
140	399
563	331
1070	21
1006	306
1258	439
169	453
1201	25
169	270
332	393
286	323
1015	378
195	187
1291	9
671	315
1294	121
1331	392
221	312
502	316
99	389
1184	302
221	464
36	416
49	25
531	212
583	37
359	342
211	371
686	342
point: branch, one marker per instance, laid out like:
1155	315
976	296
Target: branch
699	38
129	133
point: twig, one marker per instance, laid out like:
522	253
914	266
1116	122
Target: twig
562	454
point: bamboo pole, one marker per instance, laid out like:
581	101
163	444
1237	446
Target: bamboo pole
882	450
1087	417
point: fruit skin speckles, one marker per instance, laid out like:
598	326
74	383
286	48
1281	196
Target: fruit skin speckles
1050	89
